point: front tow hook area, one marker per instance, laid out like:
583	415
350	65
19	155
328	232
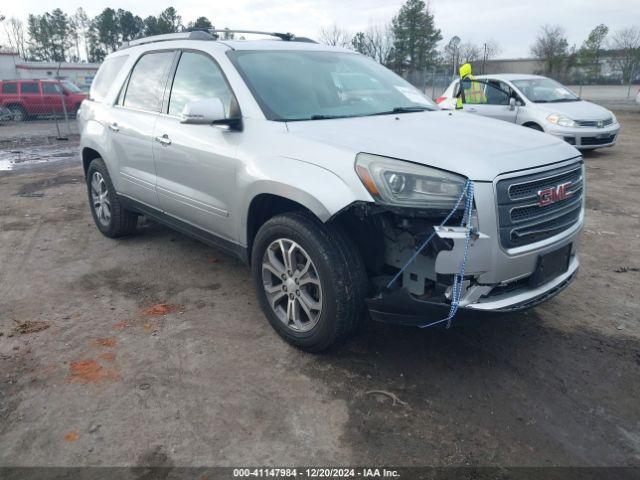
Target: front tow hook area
399	307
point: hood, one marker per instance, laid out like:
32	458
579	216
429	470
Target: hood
477	147
580	110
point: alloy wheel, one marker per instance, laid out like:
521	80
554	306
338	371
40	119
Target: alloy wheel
100	197
292	285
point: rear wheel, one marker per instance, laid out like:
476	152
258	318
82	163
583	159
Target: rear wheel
111	218
305	280
18	112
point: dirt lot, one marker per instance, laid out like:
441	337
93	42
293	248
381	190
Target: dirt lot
152	350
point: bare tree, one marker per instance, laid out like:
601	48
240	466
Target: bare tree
469	53
335	36
491	49
625	44
16	35
376	42
552	47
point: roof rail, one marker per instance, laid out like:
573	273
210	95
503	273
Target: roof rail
209	35
287	37
195	35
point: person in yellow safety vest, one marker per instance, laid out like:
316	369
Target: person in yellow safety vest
472	92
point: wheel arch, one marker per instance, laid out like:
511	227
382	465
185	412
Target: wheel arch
88	155
534	125
266	205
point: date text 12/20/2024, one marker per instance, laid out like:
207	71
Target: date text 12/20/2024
315	473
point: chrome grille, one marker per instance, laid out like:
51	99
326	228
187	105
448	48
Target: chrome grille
594	123
523	221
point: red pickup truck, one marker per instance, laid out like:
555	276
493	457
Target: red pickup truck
32	98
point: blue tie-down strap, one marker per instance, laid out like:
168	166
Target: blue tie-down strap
459	277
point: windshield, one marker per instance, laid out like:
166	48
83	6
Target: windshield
545	90
304	85
71	87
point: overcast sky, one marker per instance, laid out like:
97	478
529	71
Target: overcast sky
512	23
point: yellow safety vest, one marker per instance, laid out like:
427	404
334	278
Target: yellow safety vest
475	93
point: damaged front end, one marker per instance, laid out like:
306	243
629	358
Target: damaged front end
414	291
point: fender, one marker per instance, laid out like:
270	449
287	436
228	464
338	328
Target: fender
316	188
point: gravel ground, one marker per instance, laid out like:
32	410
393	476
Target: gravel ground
152	350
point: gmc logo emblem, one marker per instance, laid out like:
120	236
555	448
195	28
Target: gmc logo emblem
554	194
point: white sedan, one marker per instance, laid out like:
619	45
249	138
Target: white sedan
539	103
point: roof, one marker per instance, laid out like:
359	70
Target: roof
284	41
510	76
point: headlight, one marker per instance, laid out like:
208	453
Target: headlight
561	120
394	182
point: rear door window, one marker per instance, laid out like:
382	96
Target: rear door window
9	88
145	89
105	77
29	88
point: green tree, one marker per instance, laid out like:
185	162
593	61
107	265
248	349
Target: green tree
201	23
105	34
60	32
589	54
169	21
130	26
150	26
48	36
415	37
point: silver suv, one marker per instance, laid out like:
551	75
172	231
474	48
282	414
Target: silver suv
332	177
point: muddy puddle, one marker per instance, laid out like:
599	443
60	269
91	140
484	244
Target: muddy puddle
25	157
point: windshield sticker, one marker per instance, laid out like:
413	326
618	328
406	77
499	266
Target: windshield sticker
412	95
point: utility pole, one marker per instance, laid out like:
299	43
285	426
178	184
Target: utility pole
484	58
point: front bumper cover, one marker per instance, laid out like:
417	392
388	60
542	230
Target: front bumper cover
401	308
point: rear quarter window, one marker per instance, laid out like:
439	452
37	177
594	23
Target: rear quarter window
9	88
105	77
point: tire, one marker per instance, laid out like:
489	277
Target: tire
534	126
111	218
18	112
338	285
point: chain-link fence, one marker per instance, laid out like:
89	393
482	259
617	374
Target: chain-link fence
33	107
431	81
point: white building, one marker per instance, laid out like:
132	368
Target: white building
14	67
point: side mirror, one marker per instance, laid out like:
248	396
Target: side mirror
512	103
208	111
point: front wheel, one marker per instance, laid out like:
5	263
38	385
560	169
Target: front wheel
308	279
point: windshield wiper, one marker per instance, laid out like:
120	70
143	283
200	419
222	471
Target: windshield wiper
388	112
560	100
329	117
403	110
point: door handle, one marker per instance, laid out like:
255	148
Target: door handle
471	109
164	140
114	127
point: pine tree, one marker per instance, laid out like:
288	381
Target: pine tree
415	37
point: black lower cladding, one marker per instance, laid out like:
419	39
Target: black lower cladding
599	140
401	308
